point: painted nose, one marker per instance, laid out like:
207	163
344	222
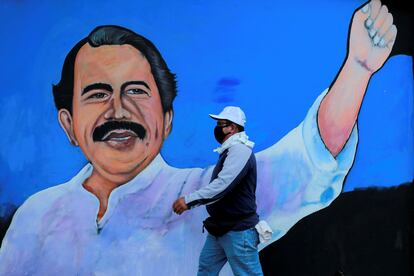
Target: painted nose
117	110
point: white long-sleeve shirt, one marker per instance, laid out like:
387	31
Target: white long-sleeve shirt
55	231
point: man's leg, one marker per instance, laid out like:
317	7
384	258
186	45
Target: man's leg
212	258
241	251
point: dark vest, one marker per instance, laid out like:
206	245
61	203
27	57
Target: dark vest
239	204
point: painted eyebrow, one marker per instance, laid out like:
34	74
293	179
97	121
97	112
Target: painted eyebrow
143	83
98	85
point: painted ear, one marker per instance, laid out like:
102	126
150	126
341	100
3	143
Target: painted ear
168	117
65	121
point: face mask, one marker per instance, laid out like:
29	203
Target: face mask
219	134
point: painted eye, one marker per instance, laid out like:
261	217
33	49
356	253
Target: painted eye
136	91
98	95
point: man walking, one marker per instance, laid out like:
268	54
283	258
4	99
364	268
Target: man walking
231	201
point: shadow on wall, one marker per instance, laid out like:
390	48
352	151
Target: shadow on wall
364	232
6	213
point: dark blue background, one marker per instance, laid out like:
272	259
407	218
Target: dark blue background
271	58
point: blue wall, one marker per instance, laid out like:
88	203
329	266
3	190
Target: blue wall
272	59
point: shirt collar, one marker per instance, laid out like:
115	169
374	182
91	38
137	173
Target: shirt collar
139	182
237	138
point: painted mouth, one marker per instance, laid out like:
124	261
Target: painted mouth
122	140
118	131
119	135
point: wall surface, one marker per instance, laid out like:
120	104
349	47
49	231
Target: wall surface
271	58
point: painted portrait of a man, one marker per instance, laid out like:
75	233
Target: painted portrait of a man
116	102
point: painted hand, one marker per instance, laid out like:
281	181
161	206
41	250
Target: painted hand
179	206
372	36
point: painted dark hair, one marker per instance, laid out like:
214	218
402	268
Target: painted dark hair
116	35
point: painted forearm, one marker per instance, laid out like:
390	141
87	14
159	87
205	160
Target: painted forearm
339	109
371	39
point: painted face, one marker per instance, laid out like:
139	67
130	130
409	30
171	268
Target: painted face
117	117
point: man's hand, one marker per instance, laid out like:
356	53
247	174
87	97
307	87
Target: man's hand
179	206
372	36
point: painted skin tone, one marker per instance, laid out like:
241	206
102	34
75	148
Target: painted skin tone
114	83
369	47
372	36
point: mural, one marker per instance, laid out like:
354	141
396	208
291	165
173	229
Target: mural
135	149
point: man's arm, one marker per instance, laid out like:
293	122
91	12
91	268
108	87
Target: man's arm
234	168
371	39
305	171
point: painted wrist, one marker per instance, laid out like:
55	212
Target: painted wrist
359	66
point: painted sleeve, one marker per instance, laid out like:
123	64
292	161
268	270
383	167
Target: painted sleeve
298	175
234	168
19	245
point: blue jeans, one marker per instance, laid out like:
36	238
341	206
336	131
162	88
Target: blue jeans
239	248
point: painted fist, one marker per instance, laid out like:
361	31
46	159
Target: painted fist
372	36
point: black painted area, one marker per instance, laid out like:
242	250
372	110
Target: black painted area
6	213
402	11
364	232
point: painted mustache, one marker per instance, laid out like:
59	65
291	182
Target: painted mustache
103	132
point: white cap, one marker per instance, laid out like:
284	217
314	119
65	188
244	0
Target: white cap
233	114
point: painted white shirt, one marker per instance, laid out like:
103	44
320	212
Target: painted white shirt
55	231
